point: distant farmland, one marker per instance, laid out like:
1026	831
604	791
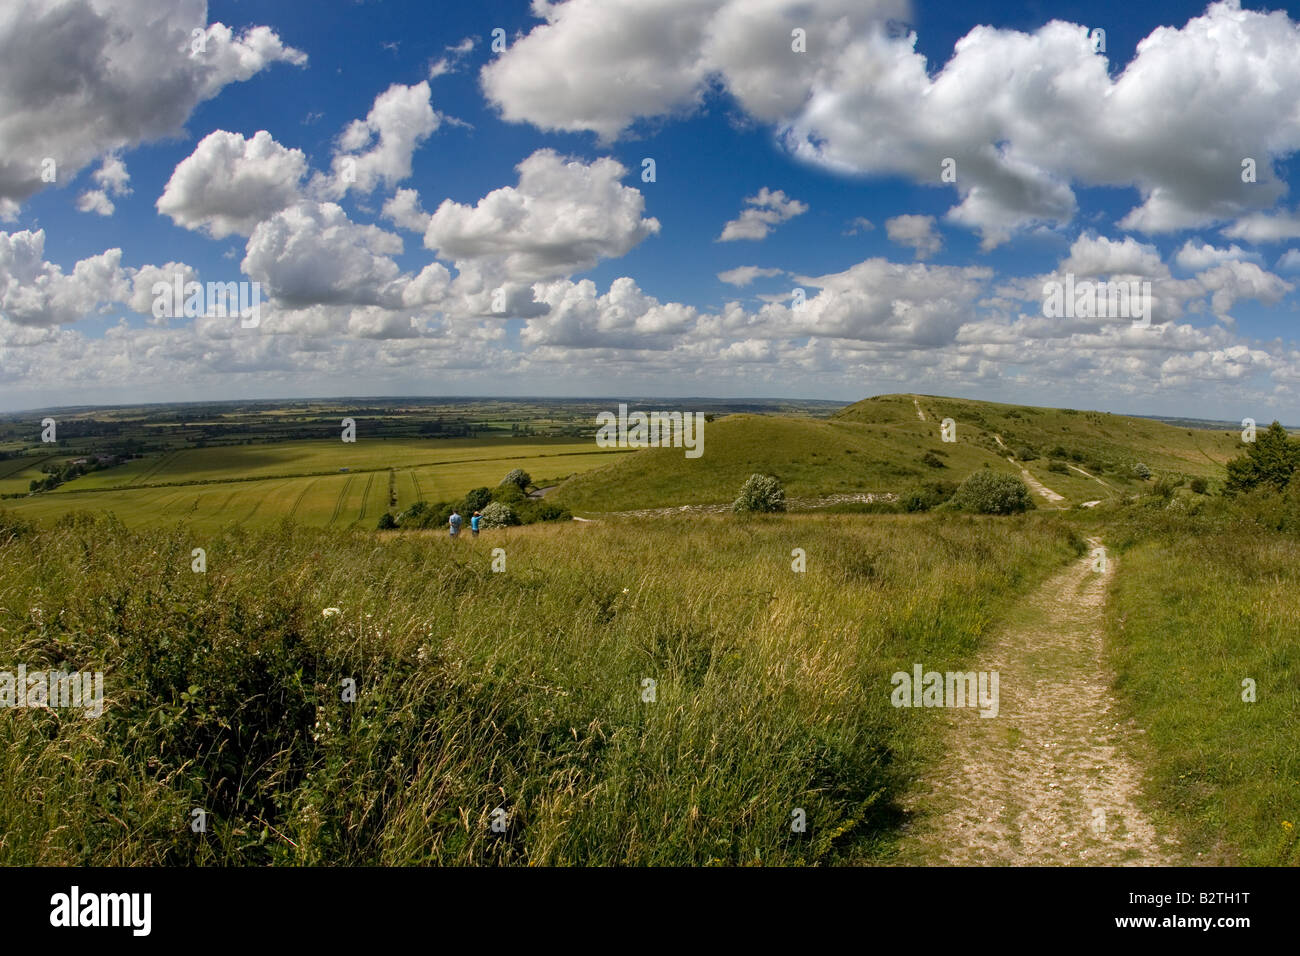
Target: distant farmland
261	484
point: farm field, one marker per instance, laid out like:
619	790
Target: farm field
186	485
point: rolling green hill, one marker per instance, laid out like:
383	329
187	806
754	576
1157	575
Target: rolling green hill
877	445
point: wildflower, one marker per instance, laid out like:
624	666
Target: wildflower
1287	825
330	612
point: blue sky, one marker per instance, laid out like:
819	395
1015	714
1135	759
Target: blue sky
1106	165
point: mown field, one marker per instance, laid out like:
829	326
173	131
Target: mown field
211	487
523	690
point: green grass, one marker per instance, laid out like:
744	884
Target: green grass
876	446
479	690
208	504
1199	605
812	457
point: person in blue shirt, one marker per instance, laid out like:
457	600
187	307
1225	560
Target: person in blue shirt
454	523
473	523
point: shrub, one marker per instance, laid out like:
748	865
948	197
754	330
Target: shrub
508	493
476	499
1141	471
992	493
927	495
1059	467
386	521
933	460
519	478
1058	452
1164	487
498	515
1025	453
1199	486
760	493
1270	460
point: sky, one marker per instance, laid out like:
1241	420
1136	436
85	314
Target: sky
730	198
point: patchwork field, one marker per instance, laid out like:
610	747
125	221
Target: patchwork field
209	488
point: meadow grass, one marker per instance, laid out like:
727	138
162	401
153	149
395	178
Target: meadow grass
478	690
1201	603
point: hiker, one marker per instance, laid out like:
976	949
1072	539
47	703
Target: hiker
473	522
454	522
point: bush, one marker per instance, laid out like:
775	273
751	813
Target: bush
1141	471
760	493
386	521
1270	460
927	495
519	478
992	493
1164	487
1025	453
1058	452
498	515
1199	486
508	493
1060	467
476	499
933	460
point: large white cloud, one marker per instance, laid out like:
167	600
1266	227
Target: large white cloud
1024	116
229	184
313	254
563	217
34	292
83	78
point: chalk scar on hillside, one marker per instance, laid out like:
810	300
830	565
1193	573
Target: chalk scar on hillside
1051	780
1035	485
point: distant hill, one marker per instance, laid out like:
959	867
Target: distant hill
877	445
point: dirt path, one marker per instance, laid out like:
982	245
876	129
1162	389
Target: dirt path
824	501
1050	780
1093	477
1034	484
919	414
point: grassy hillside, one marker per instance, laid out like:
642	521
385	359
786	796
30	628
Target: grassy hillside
877	445
476	690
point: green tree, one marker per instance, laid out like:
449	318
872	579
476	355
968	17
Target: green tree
1270	460
519	478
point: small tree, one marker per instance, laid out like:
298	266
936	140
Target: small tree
498	515
992	493
760	493
519	478
1270	460
1141	471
